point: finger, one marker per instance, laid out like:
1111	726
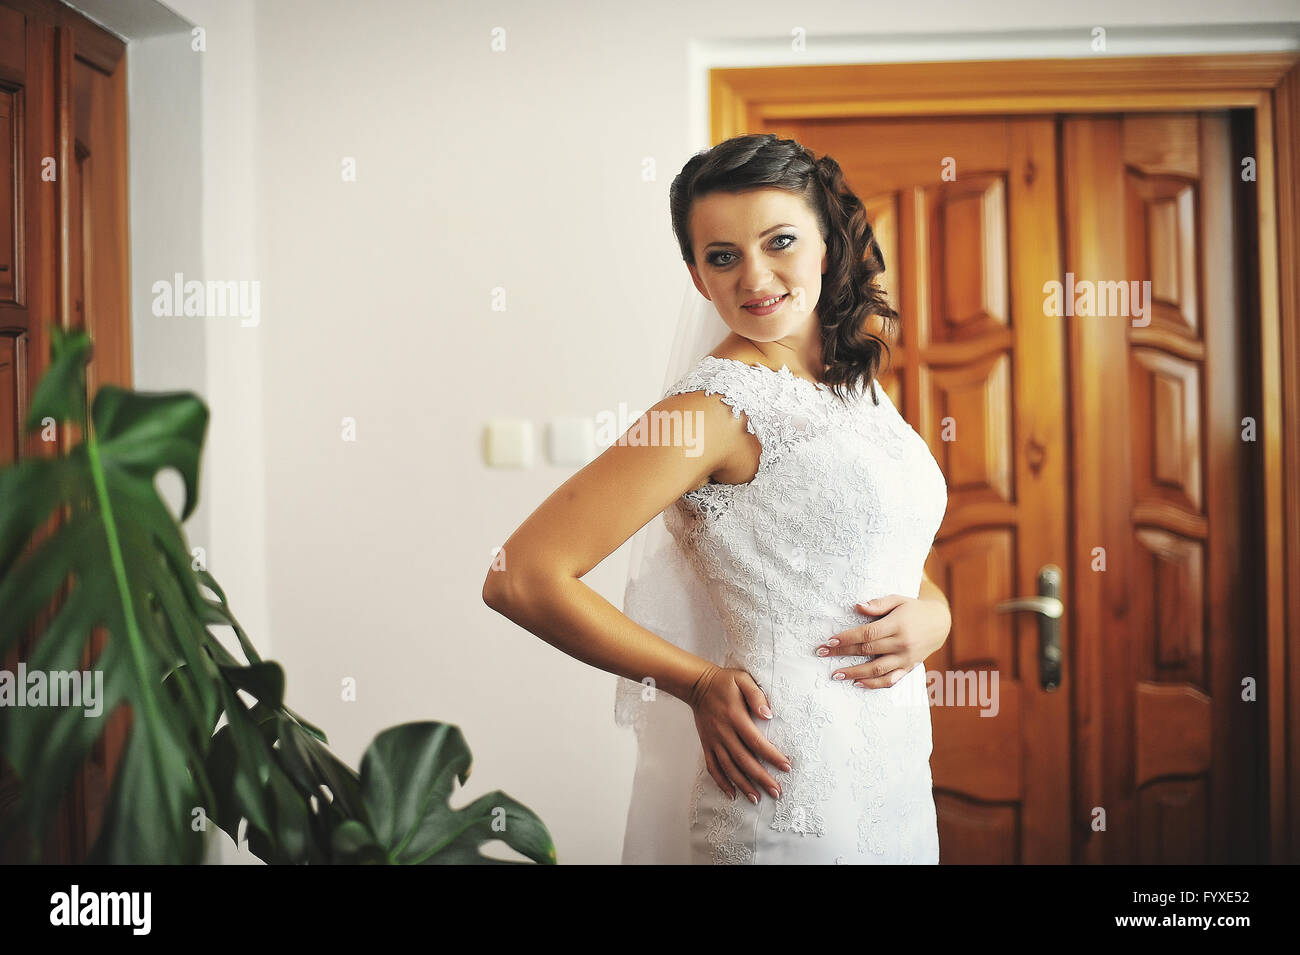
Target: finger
755	698
881	605
872	669
760	745
881	683
876	646
881	672
862	641
737	778
756	741
752	768
718	776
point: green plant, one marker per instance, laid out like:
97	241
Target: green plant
131	572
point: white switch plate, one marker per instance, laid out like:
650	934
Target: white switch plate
571	442
508	443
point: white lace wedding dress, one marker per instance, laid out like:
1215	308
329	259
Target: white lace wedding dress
844	508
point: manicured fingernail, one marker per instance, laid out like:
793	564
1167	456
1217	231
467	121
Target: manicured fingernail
752	798
766	711
833	642
822	651
776	793
786	767
840	676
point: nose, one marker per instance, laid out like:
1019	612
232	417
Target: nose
757	274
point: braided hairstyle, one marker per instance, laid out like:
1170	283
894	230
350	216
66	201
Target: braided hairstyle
851	302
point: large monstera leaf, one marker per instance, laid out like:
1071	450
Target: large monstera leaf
130	572
406	783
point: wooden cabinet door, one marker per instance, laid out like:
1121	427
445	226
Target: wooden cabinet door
63	260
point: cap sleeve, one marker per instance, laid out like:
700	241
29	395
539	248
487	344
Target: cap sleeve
754	392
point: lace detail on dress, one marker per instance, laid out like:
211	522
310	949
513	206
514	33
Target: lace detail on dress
726	847
899	714
797	732
697	793
870	775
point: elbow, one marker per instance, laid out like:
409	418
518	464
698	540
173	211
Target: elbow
494	589
504	590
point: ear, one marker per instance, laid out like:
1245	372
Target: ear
699	284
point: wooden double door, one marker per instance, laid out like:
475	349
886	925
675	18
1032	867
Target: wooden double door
1096	699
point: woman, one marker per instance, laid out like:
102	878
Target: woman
799	529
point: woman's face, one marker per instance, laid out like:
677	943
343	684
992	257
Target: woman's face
756	245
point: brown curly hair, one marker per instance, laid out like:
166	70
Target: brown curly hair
850	296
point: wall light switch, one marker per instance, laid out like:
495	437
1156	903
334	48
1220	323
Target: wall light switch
571	442
508	443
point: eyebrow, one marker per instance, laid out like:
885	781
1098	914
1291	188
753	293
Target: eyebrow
782	225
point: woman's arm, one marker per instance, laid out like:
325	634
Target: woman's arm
572	617
589	517
929	590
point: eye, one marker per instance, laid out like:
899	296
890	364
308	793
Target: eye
716	257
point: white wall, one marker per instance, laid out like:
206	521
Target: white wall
476	170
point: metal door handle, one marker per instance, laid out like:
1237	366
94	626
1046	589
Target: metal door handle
1049	608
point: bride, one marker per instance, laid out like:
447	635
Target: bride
777	616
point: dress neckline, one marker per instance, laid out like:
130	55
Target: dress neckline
784	370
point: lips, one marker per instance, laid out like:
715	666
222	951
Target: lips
765	302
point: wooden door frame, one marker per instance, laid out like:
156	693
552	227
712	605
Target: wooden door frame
743	100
